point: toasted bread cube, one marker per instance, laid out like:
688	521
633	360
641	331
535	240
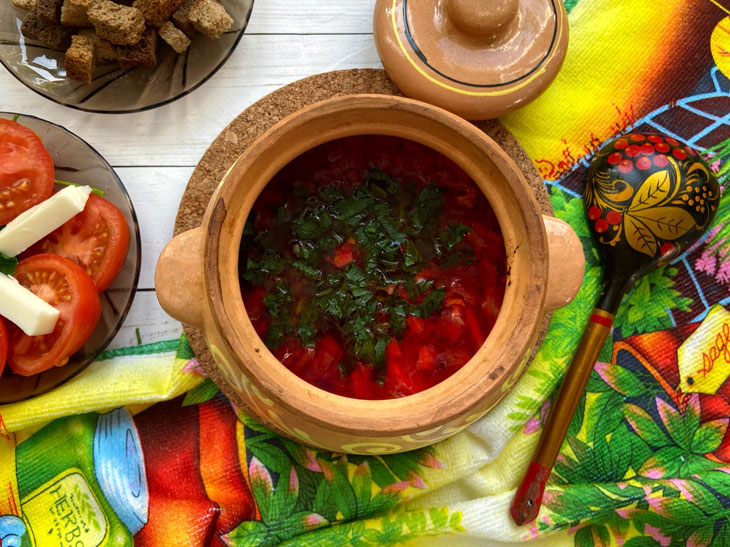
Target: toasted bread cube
73	15
104	51
142	54
210	18
52	34
121	25
156	12
181	18
174	37
79	61
25	4
49	10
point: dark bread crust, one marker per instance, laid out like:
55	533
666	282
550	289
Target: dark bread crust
181	18
143	54
156	12
49	10
120	25
104	51
79	60
50	33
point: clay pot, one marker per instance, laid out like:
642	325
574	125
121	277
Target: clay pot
197	283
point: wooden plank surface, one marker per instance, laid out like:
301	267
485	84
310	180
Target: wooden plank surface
147	319
156	193
178	133
312	17
155	152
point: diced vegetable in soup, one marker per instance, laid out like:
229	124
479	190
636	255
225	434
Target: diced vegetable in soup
372	267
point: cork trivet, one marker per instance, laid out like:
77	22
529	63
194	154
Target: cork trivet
262	115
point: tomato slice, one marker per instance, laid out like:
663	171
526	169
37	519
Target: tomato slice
26	170
70	290
3	345
97	239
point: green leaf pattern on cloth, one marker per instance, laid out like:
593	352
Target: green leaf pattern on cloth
299	490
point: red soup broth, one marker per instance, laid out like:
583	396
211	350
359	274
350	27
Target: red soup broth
372	267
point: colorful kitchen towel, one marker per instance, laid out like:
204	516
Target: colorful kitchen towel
647	457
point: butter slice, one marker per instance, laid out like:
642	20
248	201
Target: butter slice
40	220
32	314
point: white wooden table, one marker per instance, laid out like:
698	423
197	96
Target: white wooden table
155	152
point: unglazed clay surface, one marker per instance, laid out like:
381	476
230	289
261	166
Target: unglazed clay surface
477	58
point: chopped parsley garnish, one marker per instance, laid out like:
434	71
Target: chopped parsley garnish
8	264
347	261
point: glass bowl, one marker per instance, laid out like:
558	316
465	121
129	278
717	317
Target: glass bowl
113	89
76	161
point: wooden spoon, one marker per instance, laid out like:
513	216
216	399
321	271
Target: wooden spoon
648	199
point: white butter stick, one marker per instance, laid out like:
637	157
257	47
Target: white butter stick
32	314
40	220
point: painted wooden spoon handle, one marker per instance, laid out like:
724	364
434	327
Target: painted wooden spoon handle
528	498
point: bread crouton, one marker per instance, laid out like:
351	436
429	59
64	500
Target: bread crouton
25	4
73	15
121	25
181	18
156	12
210	18
79	61
52	34
142	54
104	51
174	37
49	10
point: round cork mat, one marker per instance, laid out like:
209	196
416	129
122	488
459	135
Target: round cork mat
262	115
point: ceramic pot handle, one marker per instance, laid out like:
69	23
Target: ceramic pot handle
179	277
566	263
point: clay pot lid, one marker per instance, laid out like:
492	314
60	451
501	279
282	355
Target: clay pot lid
477	58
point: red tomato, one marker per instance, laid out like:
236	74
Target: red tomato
97	239
427	358
26	170
3	345
256	310
70	290
363	385
415	324
342	257
401	378
456	357
451	323
329	353
474	328
304	357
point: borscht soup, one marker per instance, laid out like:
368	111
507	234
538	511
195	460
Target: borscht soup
372	267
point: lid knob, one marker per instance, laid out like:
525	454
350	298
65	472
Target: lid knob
487	20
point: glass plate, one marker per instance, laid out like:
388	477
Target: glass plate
76	161
114	90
